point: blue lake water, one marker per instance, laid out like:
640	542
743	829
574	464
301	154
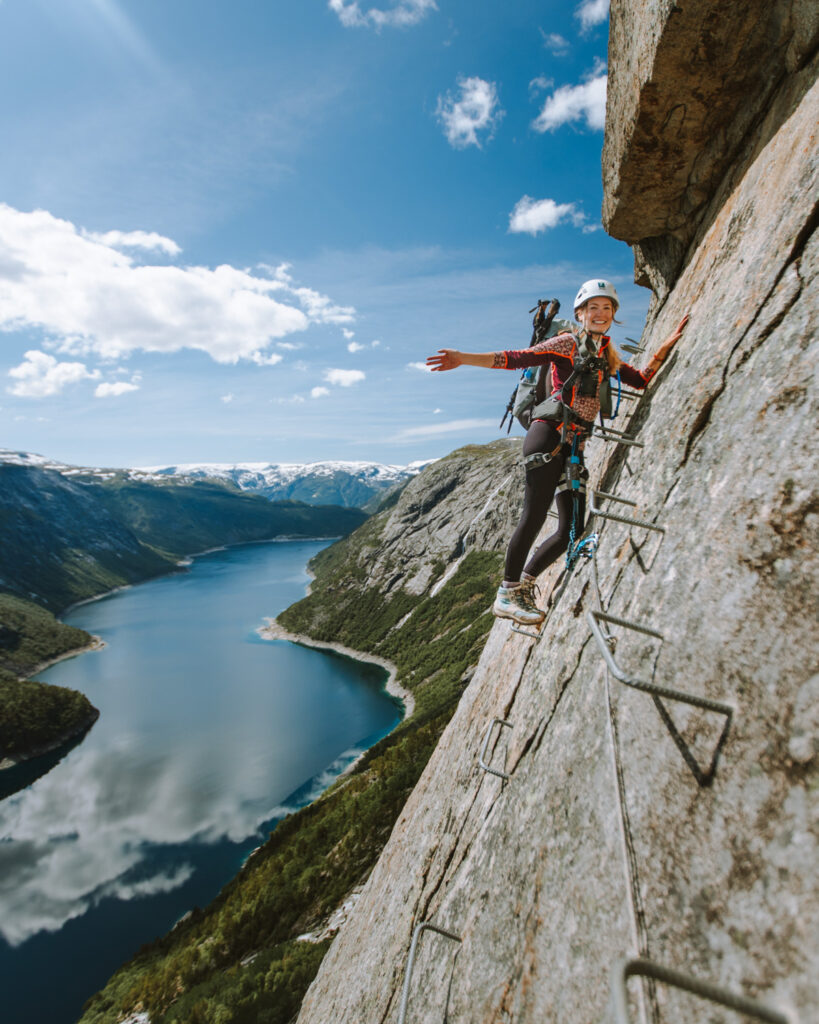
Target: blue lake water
207	736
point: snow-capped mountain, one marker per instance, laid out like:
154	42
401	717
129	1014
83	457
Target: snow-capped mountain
350	484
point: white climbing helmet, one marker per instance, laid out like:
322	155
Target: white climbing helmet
596	289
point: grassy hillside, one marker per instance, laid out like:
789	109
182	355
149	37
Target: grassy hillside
36	714
238	960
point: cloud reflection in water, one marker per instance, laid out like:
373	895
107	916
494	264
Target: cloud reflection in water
75	838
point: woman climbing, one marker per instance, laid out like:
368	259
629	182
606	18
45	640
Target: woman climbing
581	360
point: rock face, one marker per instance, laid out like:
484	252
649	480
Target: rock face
602	841
471	499
688	87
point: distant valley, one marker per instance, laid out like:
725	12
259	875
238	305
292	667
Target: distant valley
71	533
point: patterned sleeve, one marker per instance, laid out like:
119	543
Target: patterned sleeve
635	378
518	359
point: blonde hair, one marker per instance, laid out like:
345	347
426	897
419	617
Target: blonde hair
614	360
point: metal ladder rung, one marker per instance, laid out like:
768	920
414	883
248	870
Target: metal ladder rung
629	520
631	967
609	434
487	736
533	633
592	617
613	497
416	935
629	624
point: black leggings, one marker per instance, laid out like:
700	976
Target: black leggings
539	493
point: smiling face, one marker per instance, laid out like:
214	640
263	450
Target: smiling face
596	315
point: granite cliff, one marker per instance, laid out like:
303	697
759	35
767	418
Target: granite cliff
609	835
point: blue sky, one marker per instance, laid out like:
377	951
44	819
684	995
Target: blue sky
233	232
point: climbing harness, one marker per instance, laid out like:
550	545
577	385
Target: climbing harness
541	458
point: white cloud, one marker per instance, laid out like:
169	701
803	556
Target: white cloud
88	298
135	240
318	307
319	392
592	12
540	83
531	216
555	44
586	101
376	343
418	366
228	398
41	375
288	346
344	378
477	109
437	429
436	411
260	359
355	347
112	390
402	13
347	333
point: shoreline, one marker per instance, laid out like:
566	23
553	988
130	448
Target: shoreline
273	631
185	562
97	644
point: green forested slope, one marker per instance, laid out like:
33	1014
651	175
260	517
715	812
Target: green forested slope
65	539
34	714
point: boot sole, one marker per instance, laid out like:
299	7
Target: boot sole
521	622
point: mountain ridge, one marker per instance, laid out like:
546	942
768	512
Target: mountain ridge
350	484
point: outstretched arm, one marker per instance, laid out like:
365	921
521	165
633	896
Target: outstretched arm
449	358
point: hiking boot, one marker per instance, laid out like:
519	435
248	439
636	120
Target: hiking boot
518	604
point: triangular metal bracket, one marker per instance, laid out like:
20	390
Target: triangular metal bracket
487	736
595	510
704	778
632	967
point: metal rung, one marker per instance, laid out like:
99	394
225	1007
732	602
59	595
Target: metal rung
533	633
416	935
592	618
609	434
614	497
628	624
629	520
631	967
481	761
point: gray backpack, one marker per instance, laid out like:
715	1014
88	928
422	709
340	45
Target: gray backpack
532	389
